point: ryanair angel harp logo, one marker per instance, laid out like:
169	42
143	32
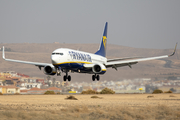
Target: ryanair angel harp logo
104	41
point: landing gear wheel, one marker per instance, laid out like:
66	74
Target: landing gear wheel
64	78
97	77
69	78
93	77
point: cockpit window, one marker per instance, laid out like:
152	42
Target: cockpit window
57	53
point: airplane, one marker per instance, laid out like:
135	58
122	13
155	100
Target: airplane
69	60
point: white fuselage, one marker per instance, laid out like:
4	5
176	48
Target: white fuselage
74	59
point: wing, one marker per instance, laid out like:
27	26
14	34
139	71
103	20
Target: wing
26	62
117	59
114	63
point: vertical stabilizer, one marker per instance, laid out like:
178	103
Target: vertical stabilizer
102	47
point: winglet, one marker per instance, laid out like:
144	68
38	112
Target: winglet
3	55
174	50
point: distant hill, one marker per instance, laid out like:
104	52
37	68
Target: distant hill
42	53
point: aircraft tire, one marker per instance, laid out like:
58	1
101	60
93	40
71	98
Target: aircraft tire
69	78
64	78
98	77
93	77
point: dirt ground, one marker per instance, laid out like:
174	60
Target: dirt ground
106	107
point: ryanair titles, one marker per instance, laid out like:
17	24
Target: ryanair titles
80	56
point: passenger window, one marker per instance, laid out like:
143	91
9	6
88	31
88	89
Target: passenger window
61	53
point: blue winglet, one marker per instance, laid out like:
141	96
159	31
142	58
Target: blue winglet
102	47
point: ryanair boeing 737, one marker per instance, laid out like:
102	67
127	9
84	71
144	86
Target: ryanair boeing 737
68	60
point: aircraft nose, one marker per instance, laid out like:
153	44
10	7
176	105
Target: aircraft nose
54	59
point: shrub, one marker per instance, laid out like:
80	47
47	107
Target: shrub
107	91
168	91
49	92
157	91
1	93
173	90
17	94
89	92
150	96
71	98
172	96
96	97
58	93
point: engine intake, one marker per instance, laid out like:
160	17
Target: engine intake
50	70
98	68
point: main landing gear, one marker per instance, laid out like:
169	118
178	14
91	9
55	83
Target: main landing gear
95	77
67	77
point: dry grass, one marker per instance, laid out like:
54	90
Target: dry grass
111	107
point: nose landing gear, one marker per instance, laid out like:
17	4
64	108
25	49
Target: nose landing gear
95	77
59	71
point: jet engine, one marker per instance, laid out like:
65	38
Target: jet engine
50	70
98	68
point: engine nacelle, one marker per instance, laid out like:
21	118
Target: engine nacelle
99	69
50	70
